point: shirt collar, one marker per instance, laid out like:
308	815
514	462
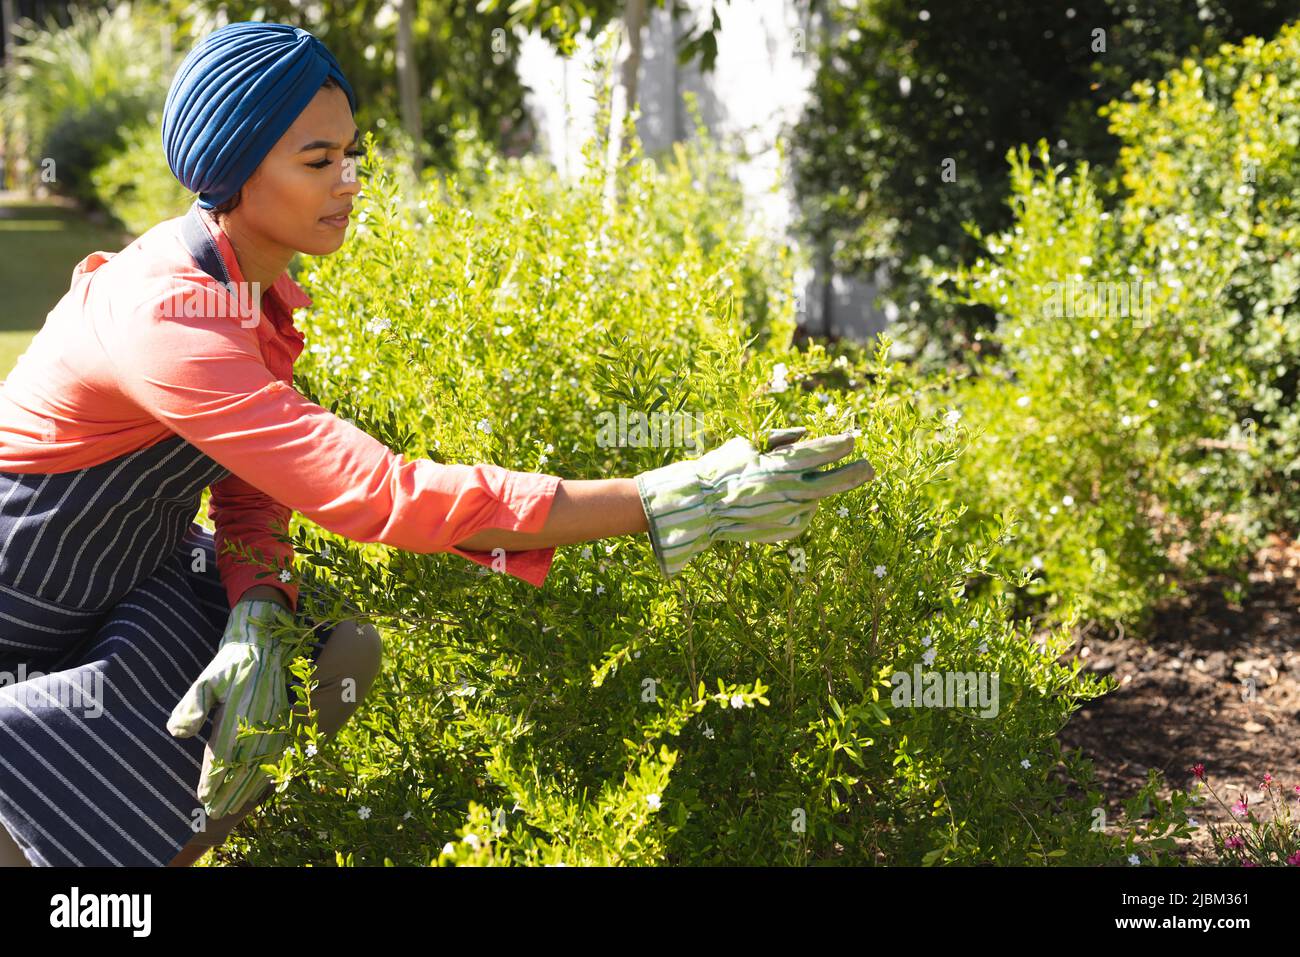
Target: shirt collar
286	293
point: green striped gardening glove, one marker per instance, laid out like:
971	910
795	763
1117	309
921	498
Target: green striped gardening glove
737	493
246	680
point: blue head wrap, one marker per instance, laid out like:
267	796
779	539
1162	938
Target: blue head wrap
234	96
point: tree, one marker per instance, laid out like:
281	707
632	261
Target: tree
915	106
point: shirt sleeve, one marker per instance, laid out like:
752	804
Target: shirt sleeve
249	516
204	378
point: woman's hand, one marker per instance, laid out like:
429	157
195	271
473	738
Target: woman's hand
737	493
247	681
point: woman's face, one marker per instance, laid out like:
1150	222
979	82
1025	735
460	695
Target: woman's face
309	174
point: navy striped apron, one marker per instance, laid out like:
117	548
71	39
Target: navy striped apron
110	606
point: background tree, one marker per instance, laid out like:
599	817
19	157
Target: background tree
904	89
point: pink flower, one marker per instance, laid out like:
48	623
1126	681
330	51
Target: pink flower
1199	771
1234	842
1294	859
1268	780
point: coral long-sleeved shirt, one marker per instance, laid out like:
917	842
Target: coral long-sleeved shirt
118	367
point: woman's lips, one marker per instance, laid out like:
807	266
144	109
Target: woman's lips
338	222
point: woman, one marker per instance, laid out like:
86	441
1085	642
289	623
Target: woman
133	640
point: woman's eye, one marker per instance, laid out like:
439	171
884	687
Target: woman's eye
325	162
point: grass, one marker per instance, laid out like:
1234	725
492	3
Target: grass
41	242
12	345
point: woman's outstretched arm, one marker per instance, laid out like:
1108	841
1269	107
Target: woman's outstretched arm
583	510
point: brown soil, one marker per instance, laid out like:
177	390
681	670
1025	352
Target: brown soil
1184	695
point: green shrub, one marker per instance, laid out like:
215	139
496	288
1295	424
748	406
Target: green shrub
1091	425
136	185
1217	145
745	712
1143	448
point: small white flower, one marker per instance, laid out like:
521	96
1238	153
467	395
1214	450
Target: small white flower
737	701
927	641
1037	562
1024	763
1152	403
586	551
1185	367
1085	260
286	575
1022	401
1094	334
928	657
508	376
880	571
842	512
1126	420
311	750
406	816
483	425
952	417
542	459
506	330
653	801
550	447
708	732
600	589
1193	822
832	409
984	647
472	840
779	373
363	812
1134	860
449	848
1067	500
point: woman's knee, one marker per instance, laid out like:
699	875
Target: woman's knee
346	668
359	652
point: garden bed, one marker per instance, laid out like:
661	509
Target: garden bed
1181	699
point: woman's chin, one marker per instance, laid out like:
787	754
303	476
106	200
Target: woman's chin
324	245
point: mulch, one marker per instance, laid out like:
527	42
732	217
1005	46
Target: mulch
1213	683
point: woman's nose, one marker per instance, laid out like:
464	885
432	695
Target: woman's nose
348	182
